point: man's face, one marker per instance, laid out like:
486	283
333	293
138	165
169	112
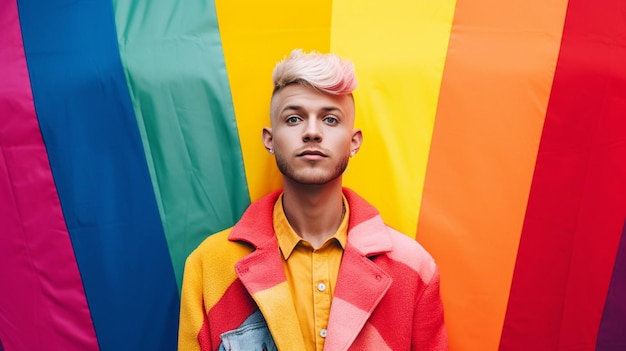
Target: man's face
312	134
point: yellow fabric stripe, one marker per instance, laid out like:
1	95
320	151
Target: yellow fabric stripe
399	52
253	41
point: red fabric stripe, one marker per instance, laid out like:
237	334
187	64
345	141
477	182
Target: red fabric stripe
229	312
42	301
258	269
204	339
578	195
400	290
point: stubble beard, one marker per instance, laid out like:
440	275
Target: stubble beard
306	179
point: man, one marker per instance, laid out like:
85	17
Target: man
313	266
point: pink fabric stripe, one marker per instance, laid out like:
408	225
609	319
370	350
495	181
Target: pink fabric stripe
42	301
343	325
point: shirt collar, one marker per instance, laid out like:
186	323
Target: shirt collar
287	237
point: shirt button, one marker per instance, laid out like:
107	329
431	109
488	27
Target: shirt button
323	333
321	286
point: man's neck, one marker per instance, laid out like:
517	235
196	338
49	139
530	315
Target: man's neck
314	211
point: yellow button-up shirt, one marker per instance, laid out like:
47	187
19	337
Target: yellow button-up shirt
311	274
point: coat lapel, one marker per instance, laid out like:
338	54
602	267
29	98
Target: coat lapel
361	284
263	276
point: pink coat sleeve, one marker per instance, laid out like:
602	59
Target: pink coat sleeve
429	331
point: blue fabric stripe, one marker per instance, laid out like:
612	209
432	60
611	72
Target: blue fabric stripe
101	173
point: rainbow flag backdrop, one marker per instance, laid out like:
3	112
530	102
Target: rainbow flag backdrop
494	133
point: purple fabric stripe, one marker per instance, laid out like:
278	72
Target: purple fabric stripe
612	333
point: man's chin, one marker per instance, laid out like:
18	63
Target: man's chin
312	179
314	176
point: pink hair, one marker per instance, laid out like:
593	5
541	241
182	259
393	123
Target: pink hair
328	73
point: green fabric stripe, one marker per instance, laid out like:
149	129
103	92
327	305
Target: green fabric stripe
174	66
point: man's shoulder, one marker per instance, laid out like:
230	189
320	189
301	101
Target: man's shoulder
403	243
410	252
217	247
219	238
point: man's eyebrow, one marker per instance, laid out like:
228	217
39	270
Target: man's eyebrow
292	107
331	108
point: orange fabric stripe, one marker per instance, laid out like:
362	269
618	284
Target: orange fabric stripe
493	99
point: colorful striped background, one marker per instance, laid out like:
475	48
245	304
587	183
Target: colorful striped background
495	134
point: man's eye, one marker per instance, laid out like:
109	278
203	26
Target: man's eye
331	119
292	119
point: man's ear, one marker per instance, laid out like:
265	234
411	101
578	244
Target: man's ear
267	139
357	139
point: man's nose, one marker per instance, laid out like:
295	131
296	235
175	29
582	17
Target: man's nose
313	131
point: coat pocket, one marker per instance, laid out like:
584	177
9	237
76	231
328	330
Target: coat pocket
252	335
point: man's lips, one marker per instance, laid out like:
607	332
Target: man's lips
312	153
